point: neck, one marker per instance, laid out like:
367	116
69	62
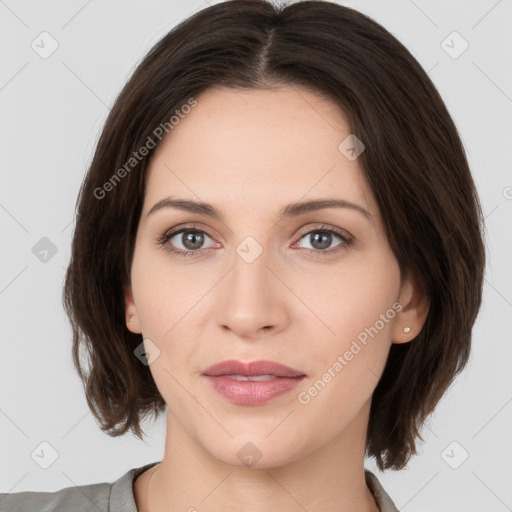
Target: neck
190	478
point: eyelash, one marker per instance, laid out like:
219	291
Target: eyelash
346	240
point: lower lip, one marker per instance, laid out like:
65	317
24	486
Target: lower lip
246	392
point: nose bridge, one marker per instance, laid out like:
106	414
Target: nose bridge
250	277
250	301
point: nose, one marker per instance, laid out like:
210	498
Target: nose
251	303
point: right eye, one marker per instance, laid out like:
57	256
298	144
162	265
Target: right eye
190	239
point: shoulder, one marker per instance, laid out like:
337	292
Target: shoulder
382	498
102	497
94	497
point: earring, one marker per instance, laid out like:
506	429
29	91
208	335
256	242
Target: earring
406	329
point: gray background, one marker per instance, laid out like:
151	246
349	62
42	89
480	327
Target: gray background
51	112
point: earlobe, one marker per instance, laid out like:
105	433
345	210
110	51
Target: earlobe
132	321
410	320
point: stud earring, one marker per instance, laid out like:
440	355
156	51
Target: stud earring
406	329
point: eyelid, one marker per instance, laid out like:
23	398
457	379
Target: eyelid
325	227
185	227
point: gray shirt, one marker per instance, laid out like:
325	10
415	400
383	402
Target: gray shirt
118	496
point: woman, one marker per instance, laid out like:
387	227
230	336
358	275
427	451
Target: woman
278	242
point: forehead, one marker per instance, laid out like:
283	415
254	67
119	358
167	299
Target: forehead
257	147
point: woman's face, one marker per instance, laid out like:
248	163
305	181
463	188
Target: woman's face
317	290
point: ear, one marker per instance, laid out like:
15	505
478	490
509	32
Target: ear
415	306
132	319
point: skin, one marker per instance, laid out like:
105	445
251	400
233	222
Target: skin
250	153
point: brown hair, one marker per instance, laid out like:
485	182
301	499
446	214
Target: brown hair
414	162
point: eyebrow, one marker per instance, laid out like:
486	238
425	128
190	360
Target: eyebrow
292	210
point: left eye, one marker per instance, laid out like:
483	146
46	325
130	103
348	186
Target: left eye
321	239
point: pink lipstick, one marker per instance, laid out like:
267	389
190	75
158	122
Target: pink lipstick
252	383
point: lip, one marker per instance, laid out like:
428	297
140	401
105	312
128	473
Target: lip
252	392
261	367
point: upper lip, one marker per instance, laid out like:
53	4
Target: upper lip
250	369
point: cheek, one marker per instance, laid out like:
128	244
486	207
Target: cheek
364	305
167	301
355	306
351	298
166	293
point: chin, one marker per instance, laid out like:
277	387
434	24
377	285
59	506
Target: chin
256	452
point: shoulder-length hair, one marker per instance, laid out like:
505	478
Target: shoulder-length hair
414	162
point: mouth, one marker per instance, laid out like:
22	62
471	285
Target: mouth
253	383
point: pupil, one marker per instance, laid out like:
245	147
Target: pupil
325	239
193	240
